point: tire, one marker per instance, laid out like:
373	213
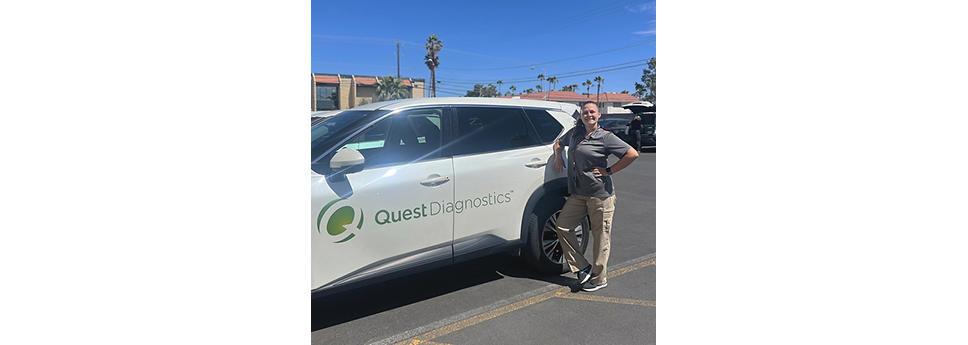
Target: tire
541	233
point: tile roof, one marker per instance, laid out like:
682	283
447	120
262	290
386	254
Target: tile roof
365	80
360	80
571	96
327	79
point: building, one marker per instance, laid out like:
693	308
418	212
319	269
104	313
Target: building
344	91
609	103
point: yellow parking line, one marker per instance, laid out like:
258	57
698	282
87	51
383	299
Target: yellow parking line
425	342
606	299
476	319
644	263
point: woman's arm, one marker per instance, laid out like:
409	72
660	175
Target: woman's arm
627	159
559	162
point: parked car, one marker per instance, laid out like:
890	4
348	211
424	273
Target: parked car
408	185
318	116
619	124
646	112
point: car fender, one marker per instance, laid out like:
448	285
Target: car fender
551	189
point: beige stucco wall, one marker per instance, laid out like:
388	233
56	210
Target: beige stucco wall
352	95
418	90
365	94
345	90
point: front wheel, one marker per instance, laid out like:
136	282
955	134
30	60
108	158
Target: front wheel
544	250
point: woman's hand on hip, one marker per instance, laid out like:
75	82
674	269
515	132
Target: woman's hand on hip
599	172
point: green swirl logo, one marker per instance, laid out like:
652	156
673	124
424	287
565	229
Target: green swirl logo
339	221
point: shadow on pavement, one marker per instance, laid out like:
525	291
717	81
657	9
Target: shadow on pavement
347	306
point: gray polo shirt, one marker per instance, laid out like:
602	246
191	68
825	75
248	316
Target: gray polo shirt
587	152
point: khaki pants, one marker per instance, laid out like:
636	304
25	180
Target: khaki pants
600	212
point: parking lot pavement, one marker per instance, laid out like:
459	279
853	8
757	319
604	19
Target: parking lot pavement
622	313
499	300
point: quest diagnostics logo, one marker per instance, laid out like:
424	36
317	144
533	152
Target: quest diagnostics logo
340	221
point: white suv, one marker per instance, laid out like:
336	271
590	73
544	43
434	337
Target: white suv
413	184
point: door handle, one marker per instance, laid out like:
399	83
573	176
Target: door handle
536	164
435	180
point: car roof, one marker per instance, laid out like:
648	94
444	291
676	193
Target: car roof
325	113
412	102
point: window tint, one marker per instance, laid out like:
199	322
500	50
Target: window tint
481	129
334	129
548	128
402	138
327	97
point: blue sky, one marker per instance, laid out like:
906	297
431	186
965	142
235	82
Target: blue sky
487	40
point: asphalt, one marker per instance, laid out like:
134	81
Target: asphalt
499	300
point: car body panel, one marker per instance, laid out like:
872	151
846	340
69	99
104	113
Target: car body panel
370	247
378	196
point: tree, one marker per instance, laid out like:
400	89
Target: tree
529	90
538	87
598	94
388	88
541	78
587	84
512	88
552	82
434	45
483	91
570	87
499	82
646	90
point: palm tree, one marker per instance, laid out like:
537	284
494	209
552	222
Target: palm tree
434	45
587	84
552	82
529	90
512	88
541	78
388	88
599	80
538	87
499	82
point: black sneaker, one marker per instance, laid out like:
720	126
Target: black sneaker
589	287
584	275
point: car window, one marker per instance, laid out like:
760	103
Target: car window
331	130
487	129
409	136
548	128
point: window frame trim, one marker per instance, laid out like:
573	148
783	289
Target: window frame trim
535	128
521	113
448	128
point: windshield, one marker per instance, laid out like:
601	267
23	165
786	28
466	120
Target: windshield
331	130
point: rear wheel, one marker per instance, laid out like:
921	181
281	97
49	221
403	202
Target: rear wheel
544	250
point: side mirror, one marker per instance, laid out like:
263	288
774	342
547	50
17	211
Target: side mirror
346	159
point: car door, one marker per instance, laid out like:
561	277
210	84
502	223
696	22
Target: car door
498	163
390	217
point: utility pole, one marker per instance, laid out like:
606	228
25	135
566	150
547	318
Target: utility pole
398	59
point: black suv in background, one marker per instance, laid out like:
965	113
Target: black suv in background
618	124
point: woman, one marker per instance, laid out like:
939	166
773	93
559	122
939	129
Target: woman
592	193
